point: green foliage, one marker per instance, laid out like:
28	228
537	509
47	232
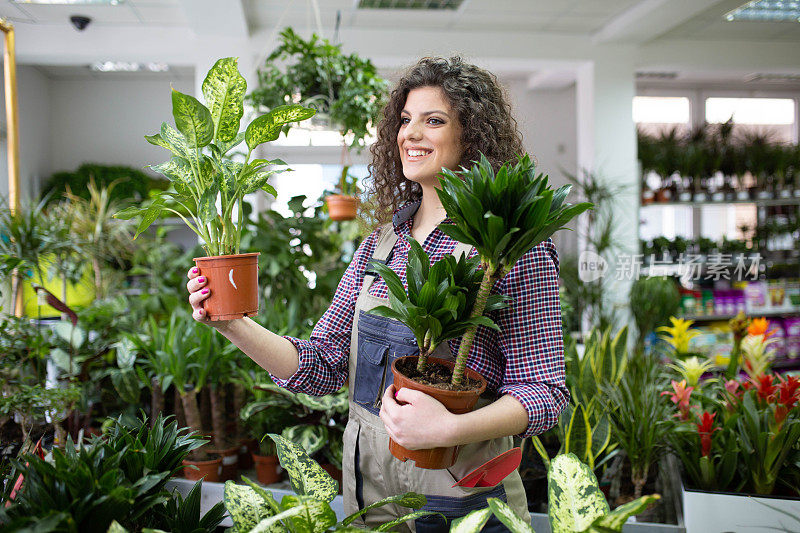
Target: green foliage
654	299
440	298
121	477
253	508
294	251
576	503
31	403
316	73
127	183
201	171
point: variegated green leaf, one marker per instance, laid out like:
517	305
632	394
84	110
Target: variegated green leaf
230	170
508	517
245	507
149	216
410	516
126	382
306	476
575	500
472	522
156	140
225	147
617	518
266	128
207	210
115	527
578	434
311	437
224	89
265	495
176	169
174	141
192	119
409	499
268	524
317	514
258	180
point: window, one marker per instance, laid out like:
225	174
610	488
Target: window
655	114
774	117
312	181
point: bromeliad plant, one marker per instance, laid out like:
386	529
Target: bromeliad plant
201	169
504	215
440	298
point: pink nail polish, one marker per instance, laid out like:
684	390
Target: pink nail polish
194	270
201	279
200	312
204	291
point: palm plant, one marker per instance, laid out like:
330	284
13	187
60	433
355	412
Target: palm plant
503	215
655	299
440	298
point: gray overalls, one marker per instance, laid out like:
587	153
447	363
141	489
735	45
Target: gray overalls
371	472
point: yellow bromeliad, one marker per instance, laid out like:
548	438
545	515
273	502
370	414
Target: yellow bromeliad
679	335
756	358
692	369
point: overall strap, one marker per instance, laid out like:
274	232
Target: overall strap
386	241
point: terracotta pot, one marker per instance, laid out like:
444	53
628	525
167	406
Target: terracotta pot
233	281
206	470
230	463
342	207
267	469
457	402
246	449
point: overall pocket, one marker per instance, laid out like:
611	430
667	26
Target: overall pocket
370	372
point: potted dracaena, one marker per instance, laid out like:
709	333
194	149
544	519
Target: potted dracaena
503	215
203	172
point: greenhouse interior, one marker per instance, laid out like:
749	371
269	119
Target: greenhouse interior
296	266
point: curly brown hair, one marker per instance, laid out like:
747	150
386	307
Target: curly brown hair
486	124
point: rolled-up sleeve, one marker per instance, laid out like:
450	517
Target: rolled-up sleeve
323	358
531	340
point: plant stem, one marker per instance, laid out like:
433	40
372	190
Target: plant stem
469	336
156	400
192	412
733	364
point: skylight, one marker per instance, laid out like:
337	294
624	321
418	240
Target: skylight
123	66
410	4
767	10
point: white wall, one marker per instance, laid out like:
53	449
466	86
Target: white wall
104	121
33	100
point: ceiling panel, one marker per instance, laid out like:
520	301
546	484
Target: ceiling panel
162	15
59	14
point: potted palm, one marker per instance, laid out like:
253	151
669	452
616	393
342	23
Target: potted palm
503	215
209	185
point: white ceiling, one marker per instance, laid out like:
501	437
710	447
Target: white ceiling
142	27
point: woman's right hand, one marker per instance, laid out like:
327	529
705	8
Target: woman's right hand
198	292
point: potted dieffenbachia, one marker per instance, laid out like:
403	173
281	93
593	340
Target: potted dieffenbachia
503	215
209	184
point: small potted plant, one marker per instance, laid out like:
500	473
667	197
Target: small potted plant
503	215
203	172
344	204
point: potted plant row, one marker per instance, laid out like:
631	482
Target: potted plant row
503	214
210	184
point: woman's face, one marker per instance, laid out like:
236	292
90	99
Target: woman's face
430	135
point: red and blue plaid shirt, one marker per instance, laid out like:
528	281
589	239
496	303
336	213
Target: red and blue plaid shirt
524	360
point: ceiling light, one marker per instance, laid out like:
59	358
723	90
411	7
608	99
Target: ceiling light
124	66
71	2
410	4
767	10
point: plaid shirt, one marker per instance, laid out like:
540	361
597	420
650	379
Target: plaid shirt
524	360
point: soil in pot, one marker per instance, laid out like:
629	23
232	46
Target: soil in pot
267	471
208	466
233	281
456	401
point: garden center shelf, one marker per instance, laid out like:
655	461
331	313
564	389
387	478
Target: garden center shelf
757	201
759	314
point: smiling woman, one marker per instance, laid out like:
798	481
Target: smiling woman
443	114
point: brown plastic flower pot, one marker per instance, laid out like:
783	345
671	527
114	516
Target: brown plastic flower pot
267	469
206	470
233	281
457	402
342	207
230	463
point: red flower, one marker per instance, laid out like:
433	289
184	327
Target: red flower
705	429
680	397
788	392
765	387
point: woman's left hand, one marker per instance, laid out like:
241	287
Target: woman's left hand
416	420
